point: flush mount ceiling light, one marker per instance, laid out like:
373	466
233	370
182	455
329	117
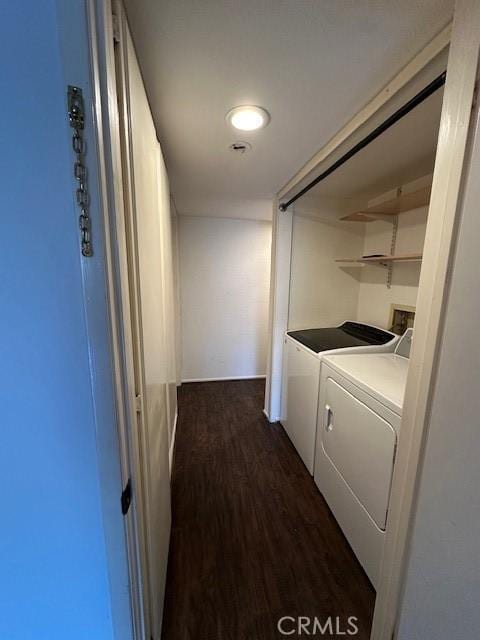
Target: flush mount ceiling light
248	118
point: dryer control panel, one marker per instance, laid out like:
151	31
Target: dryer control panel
405	344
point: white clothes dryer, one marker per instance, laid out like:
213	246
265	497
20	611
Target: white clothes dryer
303	351
360	408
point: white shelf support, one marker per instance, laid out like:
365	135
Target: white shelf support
393	245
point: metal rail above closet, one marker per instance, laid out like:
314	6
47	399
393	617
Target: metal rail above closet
386	124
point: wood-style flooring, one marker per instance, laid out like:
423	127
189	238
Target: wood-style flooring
252	538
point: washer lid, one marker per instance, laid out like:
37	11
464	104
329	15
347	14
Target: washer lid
382	375
349	334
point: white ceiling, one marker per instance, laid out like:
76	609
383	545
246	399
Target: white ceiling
312	63
403	153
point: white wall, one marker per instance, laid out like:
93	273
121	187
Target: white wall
224	284
321	293
442	582
217	206
169	295
176	291
375	299
280	263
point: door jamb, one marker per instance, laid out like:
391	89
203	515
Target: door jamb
106	116
452	152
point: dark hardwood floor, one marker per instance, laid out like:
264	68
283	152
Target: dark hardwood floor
252	538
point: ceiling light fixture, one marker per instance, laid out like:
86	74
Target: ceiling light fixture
248	118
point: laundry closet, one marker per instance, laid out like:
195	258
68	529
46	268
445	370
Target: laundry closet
357	241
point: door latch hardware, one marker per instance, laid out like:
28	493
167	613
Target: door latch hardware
138	404
76	111
126	498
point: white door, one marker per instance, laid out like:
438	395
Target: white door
301	400
146	208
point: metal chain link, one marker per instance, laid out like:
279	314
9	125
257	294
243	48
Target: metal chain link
76	114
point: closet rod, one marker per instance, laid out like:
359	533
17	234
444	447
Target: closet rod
386	124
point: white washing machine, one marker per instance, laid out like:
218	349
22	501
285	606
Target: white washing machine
303	351
360	408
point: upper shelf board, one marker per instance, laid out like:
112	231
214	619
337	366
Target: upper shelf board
401	203
406	257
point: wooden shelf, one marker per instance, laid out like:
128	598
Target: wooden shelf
406	257
358	216
393	206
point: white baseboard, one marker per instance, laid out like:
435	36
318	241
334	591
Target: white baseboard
272	420
220	379
172	443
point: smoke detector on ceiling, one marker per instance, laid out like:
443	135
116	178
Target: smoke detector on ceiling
240	147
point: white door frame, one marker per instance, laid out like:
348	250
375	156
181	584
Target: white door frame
152	488
464	40
101	33
452	154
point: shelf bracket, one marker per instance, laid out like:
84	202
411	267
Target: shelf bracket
393	245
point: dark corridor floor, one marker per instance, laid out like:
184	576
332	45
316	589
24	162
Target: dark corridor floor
252	538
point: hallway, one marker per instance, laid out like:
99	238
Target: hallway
252	538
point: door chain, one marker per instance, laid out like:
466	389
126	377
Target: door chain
76	114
